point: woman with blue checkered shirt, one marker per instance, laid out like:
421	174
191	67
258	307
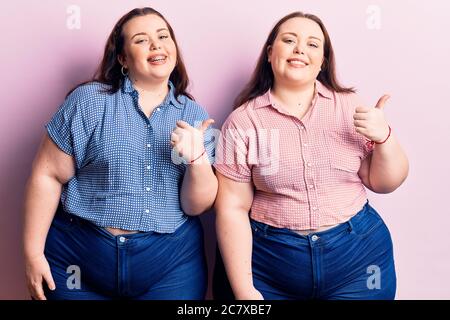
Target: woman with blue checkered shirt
128	155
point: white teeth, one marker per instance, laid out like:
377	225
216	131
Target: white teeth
296	62
158	58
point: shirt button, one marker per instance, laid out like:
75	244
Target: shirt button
148	167
311	186
122	239
314	238
147	211
148	189
148	145
314	208
305	144
148	126
310	164
157	109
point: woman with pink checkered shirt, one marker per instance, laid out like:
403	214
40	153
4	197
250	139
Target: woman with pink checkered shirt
293	163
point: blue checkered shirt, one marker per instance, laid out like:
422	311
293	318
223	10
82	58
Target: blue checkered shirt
126	176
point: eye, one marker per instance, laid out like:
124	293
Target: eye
288	40
314	45
140	41
164	36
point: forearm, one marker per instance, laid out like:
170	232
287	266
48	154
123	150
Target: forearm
41	200
389	166
199	188
234	237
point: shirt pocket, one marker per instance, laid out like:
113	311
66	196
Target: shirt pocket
345	160
345	166
344	156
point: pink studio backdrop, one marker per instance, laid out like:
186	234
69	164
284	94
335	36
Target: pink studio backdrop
397	47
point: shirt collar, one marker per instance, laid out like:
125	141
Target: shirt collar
266	99
170	98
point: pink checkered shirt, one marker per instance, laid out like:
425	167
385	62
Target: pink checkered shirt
305	172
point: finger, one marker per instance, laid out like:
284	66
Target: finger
182	124
360	130
360	116
382	101
37	291
360	124
206	124
174	137
178	131
362	109
49	279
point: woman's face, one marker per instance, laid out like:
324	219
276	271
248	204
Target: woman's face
297	52
149	50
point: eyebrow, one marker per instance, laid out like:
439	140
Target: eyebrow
145	34
295	35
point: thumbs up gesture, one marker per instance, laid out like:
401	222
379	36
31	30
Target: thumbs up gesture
187	140
370	122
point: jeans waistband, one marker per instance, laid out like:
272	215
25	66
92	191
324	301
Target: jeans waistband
324	235
71	218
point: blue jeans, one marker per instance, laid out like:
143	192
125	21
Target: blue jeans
88	262
353	260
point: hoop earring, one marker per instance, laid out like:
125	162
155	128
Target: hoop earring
123	72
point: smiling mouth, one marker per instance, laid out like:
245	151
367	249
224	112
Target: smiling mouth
157	59
297	63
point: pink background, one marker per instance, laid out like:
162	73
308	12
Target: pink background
407	57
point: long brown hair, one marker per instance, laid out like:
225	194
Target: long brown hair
109	70
262	78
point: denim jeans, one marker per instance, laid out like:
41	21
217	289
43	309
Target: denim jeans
88	262
353	260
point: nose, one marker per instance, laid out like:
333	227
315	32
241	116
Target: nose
155	45
299	49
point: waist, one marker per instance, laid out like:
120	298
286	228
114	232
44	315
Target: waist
320	229
357	220
127	220
118	231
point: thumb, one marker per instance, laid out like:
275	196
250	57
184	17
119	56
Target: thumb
206	124
382	101
49	279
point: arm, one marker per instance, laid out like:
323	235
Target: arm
51	169
385	169
234	236
199	188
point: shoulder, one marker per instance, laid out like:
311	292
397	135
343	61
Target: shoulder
243	116
88	93
349	101
192	106
87	99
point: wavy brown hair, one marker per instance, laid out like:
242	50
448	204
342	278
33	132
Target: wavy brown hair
109	70
262	78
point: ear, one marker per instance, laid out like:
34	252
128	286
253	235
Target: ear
122	60
269	52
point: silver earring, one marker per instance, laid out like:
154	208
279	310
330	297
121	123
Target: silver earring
123	72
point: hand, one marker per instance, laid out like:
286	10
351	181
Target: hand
37	270
187	140
252	294
370	122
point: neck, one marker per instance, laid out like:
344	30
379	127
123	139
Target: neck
294	96
156	88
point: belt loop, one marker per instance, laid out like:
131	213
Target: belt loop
350	226
266	226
